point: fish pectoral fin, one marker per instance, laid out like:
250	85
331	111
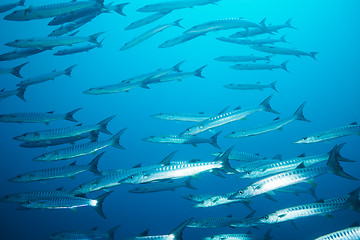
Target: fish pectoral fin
282	215
73	210
271	193
194	145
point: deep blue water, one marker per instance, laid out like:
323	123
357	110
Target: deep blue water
330	87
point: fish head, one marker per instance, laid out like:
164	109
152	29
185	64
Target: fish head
16	43
268	219
243	193
160	116
82	189
14	198
310	139
134	179
198	224
47	157
27	137
19	178
34	204
192	130
152	139
249	174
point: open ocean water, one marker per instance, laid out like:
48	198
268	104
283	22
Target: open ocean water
330	86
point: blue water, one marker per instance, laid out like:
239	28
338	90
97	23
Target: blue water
329	85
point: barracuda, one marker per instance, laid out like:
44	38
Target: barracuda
61	133
74	50
14	71
69	202
215	222
35	195
17	92
351	129
147	20
250	58
181	170
34	117
114	88
81	149
149	34
180	39
111	178
84	235
276	124
173	5
181	117
240	236
260	66
252	41
59	172
9	6
283	51
162	186
256	86
228	117
217	200
351	233
20	53
51	10
300	174
241	156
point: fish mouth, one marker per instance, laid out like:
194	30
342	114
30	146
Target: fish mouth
233	197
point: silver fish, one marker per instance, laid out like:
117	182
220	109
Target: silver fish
256	86
33	196
17	92
20	53
249	58
182	117
241	156
351	129
146	20
260	66
9	6
74	50
71	26
283	51
218	200
180	39
162	186
114	88
252	41
14	71
81	149
240	236
84	235
174	5
351	233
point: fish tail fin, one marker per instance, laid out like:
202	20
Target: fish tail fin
93	38
272	85
268	57
21	2
284	66
354	200
100	43
335	167
283	38
312	191
69	116
99	204
103	124
338	155
116	138
111	232
198	72
119	8
93	164
177	23
94	136
313	55
16	70
177	232
266	105
213	140
267	235
224	159
299	114
21	92
288	24
69	70
188	184
176	67
262	23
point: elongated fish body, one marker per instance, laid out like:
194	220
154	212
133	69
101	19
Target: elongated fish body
173	5
73	16
297	190
250	58
71	26
351	129
114	88
48	42
228	117
147	20
20	53
181	117
351	233
259	66
74	50
59	172
181	170
215	222
300	174
217	200
180	39
35	117
241	156
32	196
84	235
283	50
14	71
187	139
81	149
162	186
233	236
257	86
17	92
222	24
60	133
258	31
149	34
302	211
93	136
251	41
253	165
52	10
46	77
9	6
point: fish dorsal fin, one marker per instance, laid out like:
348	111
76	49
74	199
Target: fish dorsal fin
94	229
320	201
73	34
278	157
250	215
257	154
51	112
276	118
223	111
302	155
301	165
54	70
137	165
237	108
73	163
229	216
201	112
79	125
2	90
60	189
166	161
144	233
177	232
282	215
248	232
353	123
355	224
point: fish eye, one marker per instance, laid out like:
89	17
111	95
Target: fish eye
132	177
81	185
241	191
248	172
233	132
266	217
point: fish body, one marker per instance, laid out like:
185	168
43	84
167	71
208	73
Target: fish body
241	156
59	172
19	92
114	88
20	53
147	20
73	16
215	222
256	86
283	50
149	34
60	133
81	149
181	117
36	117
9	6
47	77
74	50
71	26
249	58
351	129
84	235
33	196
351	233
162	186
180	39
260	66
252	41
228	117
218	200
52	10
233	236
14	71
174	5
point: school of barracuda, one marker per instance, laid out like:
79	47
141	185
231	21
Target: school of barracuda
271	175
